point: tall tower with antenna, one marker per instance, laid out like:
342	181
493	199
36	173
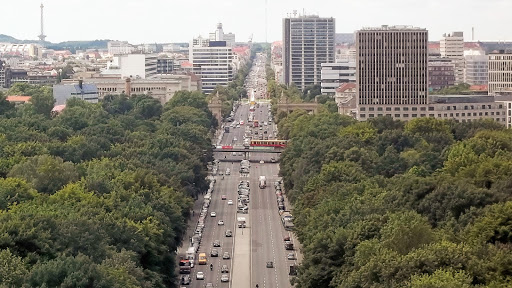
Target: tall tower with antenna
42	37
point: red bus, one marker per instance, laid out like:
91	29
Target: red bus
268	143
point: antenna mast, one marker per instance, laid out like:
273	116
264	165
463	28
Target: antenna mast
42	37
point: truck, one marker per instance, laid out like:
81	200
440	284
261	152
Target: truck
263	182
184	266
241	222
191	255
287	220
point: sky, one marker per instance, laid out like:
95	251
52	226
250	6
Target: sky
167	21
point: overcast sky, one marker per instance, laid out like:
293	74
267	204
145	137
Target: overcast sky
162	21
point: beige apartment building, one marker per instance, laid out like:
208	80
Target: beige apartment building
452	47
162	88
500	72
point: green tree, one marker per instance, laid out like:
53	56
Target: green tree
45	173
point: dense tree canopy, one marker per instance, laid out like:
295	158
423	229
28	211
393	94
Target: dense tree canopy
384	203
99	195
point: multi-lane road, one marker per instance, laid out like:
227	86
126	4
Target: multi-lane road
262	240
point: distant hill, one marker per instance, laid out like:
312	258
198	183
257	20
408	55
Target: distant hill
7	38
68	45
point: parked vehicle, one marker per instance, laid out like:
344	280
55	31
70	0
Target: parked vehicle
263	182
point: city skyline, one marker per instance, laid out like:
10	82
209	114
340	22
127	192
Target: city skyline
115	21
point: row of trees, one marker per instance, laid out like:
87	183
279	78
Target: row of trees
384	203
99	195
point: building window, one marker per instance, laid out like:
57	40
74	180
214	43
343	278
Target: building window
438	115
371	109
371	115
397	115
497	113
448	108
414	108
406	115
451	114
362	115
430	108
445	115
423	108
406	109
486	113
362	109
492	113
379	115
379	108
388	109
463	114
397	108
474	113
414	115
388	115
431	115
423	115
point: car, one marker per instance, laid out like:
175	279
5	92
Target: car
273	160
224	269
185	280
213	214
224	278
229	233
290	256
216	243
221	173
200	275
286	238
214	253
270	264
221	222
238	126
234	154
223	197
226	256
228	172
261	128
261	162
230	202
209	285
235	139
242	122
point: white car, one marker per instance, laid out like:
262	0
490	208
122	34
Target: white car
200	276
230	202
221	222
224	278
213	214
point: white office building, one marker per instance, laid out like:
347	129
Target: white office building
476	69
214	64
335	74
119	47
452	46
500	72
138	66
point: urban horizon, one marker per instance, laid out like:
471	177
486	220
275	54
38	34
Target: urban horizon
116	27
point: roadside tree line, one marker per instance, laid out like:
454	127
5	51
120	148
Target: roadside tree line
384	203
99	195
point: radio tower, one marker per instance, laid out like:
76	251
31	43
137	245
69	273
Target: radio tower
42	37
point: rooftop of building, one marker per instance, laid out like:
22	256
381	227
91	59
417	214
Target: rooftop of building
345	86
393	28
18	98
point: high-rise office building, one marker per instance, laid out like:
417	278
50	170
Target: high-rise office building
500	72
214	64
308	41
392	65
452	46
